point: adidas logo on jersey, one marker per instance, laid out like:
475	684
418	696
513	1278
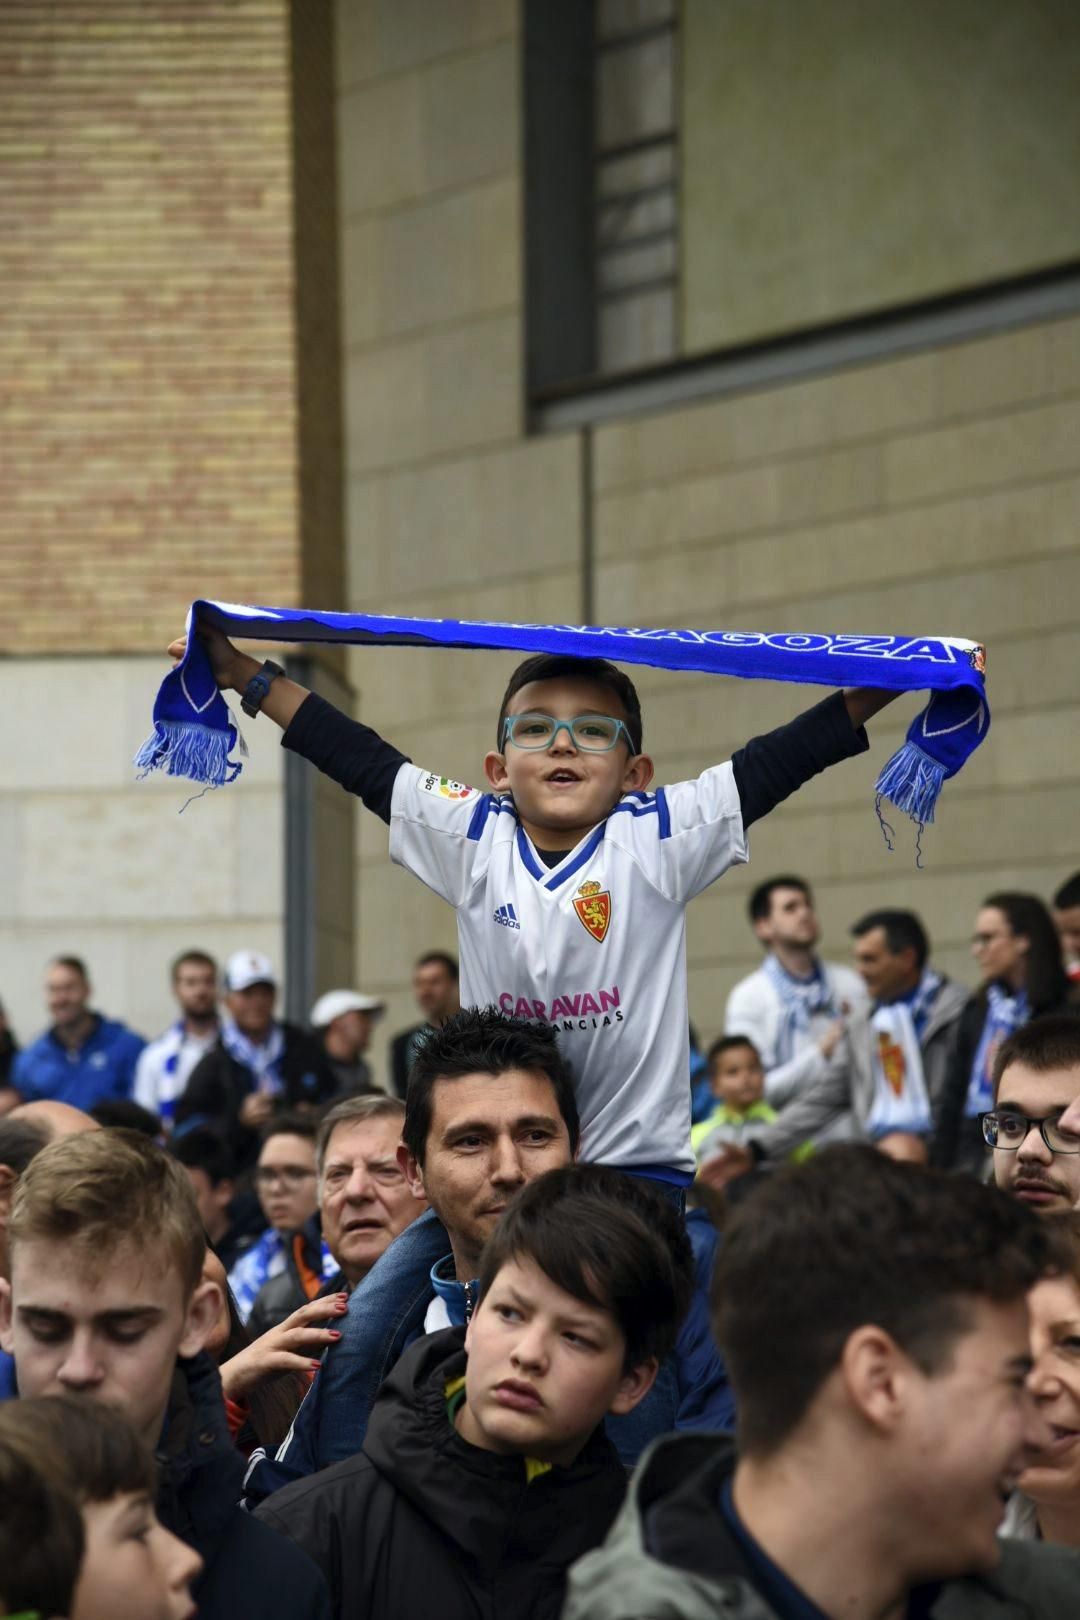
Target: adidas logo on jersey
506	917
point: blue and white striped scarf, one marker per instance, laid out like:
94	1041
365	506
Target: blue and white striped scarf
262	1058
194	735
1005	1014
800	1001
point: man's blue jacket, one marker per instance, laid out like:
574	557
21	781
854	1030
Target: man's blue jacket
104	1066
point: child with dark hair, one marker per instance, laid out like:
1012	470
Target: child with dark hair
485	1469
81	1486
737	1082
41	1535
570	875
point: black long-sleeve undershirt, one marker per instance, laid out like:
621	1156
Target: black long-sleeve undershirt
767	770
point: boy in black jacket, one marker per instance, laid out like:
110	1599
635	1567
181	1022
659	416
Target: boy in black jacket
485	1470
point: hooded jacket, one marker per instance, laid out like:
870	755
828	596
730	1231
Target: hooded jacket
672	1556
249	1572
421	1522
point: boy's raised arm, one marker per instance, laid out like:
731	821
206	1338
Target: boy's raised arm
863	702
350	753
772	767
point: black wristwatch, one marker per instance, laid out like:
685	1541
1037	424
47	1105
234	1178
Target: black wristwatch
254	693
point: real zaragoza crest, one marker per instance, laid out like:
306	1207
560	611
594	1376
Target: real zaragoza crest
593	906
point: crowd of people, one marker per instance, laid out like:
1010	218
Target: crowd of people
560	1316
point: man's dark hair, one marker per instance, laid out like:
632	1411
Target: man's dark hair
290	1125
200	958
605	1238
1047	982
443	958
1042	1045
126	1113
483	1040
852	1237
74	963
20	1141
1069	894
902	929
760	903
557	667
203	1149
728	1043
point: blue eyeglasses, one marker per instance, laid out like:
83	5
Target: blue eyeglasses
592	733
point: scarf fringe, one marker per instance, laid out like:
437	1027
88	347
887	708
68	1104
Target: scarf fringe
187	748
911	780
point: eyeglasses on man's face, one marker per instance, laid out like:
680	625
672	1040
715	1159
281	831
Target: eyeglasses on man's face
289	1176
592	733
1007	1131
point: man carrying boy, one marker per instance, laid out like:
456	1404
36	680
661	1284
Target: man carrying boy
570	878
106	1302
1034	1127
491	1107
485	1471
875	1320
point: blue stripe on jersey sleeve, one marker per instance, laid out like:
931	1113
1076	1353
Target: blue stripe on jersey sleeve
637	809
485	804
664	813
490	805
588	850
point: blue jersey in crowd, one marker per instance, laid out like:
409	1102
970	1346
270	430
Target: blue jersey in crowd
104	1066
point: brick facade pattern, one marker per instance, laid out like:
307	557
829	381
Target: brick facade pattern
147	334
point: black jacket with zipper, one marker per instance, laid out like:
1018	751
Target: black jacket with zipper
249	1573
421	1522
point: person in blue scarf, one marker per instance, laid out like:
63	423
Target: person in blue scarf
259	1065
1018	950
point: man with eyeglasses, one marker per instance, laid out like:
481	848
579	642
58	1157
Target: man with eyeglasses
1034	1126
285	1179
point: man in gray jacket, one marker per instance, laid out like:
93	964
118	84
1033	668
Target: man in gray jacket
890	1067
874	1319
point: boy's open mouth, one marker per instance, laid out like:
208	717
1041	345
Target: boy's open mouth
562	775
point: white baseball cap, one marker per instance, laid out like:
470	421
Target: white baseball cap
245	968
337	1002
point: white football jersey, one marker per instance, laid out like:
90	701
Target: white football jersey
595	946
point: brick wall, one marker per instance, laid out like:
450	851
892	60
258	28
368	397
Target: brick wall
147	387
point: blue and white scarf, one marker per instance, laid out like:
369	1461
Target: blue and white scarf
920	1004
800	1001
1005	1014
268	1258
194	735
263	1060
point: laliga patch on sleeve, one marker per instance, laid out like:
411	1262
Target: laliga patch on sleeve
444	787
